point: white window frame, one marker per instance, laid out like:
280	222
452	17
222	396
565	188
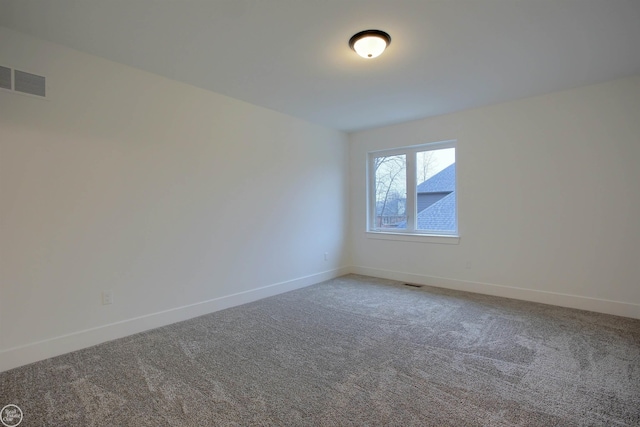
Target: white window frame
410	233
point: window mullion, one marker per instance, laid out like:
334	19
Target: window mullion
411	190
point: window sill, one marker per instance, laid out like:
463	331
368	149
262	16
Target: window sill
418	238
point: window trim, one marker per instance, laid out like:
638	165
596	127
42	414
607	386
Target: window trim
445	239
411	233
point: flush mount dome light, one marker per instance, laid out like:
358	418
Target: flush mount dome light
370	43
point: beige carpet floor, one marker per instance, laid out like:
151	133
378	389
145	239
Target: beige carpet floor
353	351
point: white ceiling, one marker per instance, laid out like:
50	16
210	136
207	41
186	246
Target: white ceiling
292	55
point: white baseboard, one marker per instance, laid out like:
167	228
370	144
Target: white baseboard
33	352
617	308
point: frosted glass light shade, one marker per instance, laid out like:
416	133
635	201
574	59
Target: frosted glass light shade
370	43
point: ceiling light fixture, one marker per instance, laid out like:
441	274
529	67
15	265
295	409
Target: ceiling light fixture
370	43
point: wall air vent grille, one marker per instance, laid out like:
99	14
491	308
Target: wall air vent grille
30	83
5	78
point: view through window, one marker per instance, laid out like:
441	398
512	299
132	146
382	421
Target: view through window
413	189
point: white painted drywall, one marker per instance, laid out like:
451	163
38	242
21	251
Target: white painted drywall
548	196
166	194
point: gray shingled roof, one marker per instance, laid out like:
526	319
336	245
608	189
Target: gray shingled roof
440	216
442	182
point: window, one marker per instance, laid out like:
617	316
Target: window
412	190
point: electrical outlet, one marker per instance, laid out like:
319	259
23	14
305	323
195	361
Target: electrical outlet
326	256
107	297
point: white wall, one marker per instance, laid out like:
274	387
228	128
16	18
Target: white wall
167	194
548	196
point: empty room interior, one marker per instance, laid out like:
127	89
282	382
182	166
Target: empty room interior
333	213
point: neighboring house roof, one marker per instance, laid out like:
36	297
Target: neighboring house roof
439	216
442	182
